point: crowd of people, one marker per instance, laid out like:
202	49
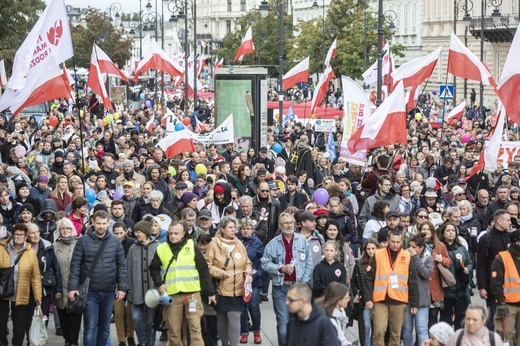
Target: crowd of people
401	245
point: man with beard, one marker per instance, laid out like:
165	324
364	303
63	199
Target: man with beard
301	159
176	201
129	174
222	199
292	197
430	200
481	207
262	158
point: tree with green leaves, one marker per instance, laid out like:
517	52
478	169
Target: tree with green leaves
98	28
16	20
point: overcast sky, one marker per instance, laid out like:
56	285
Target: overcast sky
128	5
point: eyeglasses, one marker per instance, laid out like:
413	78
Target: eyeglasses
264	190
422	216
18	235
291	300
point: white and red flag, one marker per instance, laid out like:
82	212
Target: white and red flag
489	156
331	53
176	143
387	125
150	123
47	45
414	72
411	99
106	65
156	59
464	64
3	76
321	89
247	46
299	73
508	88
96	82
370	75
457	112
54	85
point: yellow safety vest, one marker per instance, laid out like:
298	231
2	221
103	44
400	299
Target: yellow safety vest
182	276
511	283
384	271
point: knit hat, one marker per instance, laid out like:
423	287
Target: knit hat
27	207
187	197
321	212
218	189
43	179
59	153
144	226
99	206
514	236
457	190
442	331
18	186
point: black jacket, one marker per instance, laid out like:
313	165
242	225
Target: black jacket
273	211
110	269
325	273
317	330
489	246
299	199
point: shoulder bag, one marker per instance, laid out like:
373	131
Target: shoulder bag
80	300
447	278
7	286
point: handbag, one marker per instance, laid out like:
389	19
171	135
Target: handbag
77	305
447	278
7	286
38	333
48	278
158	321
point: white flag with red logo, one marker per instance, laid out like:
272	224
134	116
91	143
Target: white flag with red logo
176	143
387	125
54	85
48	44
457	112
464	64
247	46
299	73
370	75
331	53
106	65
508	88
156	59
96	82
3	76
414	72
321	89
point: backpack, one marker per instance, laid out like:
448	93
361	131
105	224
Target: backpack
491	338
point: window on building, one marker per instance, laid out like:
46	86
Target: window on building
243	5
229	5
406	20
498	66
434	9
228	27
445	9
414	18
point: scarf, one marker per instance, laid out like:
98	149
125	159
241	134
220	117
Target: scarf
466	218
226	245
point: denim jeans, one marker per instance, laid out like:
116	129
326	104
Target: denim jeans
96	318
142	317
367	320
420	321
265	282
281	311
254	310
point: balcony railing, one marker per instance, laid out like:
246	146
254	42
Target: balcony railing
501	30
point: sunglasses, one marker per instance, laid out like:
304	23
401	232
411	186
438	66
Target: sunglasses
422	216
264	190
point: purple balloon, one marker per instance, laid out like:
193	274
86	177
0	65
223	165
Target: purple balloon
321	196
148	103
118	194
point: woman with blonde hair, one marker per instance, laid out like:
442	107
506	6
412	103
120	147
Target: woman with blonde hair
228	262
61	194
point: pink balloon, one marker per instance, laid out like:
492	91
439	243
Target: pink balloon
465	138
458	131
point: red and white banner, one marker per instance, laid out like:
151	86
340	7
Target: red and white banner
176	143
331	53
96	82
3	76
247	46
47	45
156	59
464	64
508	88
457	112
299	73
414	72
321	89
356	109
106	65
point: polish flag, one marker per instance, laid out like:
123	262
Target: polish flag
508	88
489	156
156	59
149	124
331	53
387	125
414	72
176	143
370	75
96	81
410	99
247	46
3	76
457	112
299	73
107	66
220	63
321	88
464	64
56	84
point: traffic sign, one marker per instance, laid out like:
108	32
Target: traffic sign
446	92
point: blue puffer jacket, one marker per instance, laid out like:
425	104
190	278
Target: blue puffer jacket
255	252
110	269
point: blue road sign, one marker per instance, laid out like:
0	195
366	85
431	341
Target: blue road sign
446	92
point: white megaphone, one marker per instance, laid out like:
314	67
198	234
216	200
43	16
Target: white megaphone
152	298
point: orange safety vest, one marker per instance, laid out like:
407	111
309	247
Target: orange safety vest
384	273
511	283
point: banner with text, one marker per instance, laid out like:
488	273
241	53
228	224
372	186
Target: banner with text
222	134
507	152
356	107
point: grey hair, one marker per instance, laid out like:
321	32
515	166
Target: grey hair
245	198
155	195
482	308
452	210
467	204
284	214
225	221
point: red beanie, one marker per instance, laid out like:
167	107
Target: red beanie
218	189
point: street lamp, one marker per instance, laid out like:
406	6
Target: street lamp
264	10
115	8
151	21
179	10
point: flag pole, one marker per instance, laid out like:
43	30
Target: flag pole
80	123
444	106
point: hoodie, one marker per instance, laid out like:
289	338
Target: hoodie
47	225
216	208
315	330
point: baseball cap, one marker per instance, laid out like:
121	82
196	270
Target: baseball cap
430	194
390	214
306	216
128	183
205	214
